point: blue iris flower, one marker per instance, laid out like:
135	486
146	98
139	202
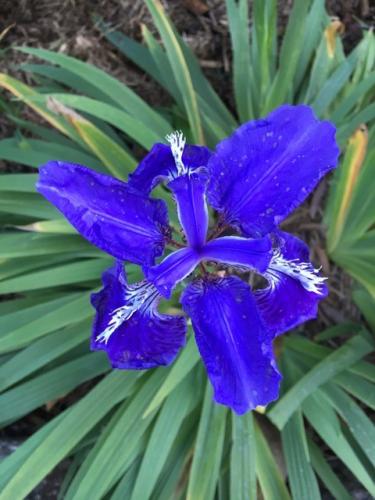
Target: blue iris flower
252	181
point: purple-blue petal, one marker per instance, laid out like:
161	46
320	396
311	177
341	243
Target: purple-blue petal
108	212
235	250
173	269
189	191
159	165
295	287
234	344
260	174
138	336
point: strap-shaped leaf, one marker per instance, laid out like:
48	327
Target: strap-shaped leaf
25	468
179	68
353	350
243	457
208	450
302	480
268	473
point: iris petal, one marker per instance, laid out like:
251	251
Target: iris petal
234	344
295	287
268	167
190	194
159	165
174	268
129	327
252	253
113	216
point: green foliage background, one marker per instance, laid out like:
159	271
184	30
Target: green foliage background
157	434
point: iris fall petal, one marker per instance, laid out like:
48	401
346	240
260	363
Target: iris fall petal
233	342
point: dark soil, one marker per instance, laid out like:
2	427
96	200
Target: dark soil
67	26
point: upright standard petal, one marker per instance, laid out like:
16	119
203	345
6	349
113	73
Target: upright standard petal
113	216
190	194
268	167
251	253
159	165
233	342
295	287
129	327
173	269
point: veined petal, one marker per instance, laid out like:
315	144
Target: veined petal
113	216
233	342
129	327
252	253
190	194
159	165
174	268
295	287
268	167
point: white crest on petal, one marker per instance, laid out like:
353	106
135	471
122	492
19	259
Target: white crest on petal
304	272
135	296
177	142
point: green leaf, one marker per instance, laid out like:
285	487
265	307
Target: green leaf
18	182
359	387
353	350
42	352
366	304
302	480
316	20
186	361
119	93
37	457
326	474
16	244
179	68
360	425
51	385
319	352
243	458
67	78
268	473
34	152
111	456
351	100
208	450
74	272
264	50
21	327
172	481
58	226
118	118
27	95
325	422
282	85
28	204
114	157
124	488
238	18
333	85
165	431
